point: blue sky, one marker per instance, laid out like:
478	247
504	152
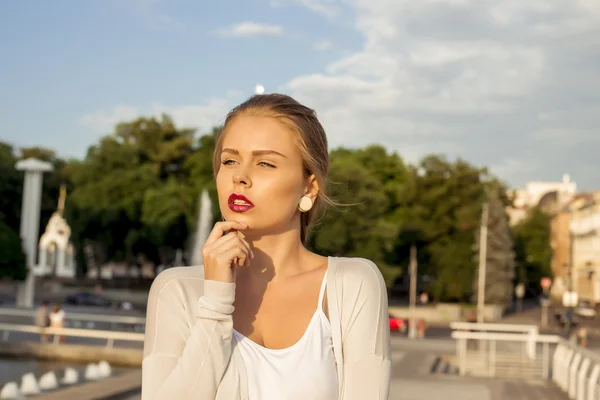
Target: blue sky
508	84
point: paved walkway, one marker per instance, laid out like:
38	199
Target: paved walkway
412	378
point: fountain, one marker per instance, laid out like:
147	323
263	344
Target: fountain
104	369
48	381
203	229
29	384
11	391
71	377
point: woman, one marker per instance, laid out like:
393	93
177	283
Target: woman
57	319
264	318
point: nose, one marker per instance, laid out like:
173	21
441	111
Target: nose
242	178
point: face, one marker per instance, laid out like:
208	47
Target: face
261	178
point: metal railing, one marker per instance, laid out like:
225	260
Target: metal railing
531	330
496	354
135	322
483	351
109	336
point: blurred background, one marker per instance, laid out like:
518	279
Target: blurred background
465	130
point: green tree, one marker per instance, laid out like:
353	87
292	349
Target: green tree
368	185
11	188
133	189
533	253
200	169
500	257
446	210
13	264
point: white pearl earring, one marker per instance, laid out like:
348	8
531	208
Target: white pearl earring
305	203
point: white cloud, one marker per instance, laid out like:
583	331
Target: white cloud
323	45
251	29
326	8
104	121
203	116
500	82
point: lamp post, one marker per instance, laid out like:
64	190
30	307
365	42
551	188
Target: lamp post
412	325
482	263
30	222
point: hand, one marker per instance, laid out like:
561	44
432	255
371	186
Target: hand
222	253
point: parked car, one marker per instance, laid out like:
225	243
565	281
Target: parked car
397	324
88	299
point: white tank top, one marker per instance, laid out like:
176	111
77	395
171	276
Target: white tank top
306	370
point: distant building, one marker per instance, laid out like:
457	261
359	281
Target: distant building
561	244
550	196
585	246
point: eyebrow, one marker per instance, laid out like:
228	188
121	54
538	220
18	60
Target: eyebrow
255	152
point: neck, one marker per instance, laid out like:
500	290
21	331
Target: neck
281	254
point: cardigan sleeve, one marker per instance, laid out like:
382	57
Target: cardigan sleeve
366	334
186	359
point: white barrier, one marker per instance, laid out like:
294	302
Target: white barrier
110	336
576	371
531	330
75	316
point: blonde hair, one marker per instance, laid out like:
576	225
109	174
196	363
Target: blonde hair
310	138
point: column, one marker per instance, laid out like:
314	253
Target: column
30	222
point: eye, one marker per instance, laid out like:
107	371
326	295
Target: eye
266	164
227	162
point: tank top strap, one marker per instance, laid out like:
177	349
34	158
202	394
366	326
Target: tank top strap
322	291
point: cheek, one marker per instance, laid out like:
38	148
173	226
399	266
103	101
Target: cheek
283	190
223	185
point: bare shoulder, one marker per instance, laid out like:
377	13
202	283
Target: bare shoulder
360	274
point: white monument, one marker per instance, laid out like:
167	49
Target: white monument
30	221
56	256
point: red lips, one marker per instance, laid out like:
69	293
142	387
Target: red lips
239	203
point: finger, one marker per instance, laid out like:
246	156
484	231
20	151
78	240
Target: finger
236	242
224	240
230	256
221	227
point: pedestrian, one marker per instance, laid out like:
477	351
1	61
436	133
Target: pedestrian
421	325
57	319
42	320
265	318
582	336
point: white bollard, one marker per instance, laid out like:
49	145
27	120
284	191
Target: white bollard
48	381
71	376
29	384
10	391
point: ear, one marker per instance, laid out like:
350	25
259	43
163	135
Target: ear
312	187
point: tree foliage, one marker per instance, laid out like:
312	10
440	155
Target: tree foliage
500	257
532	249
134	195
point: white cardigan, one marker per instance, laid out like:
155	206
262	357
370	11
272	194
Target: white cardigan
188	351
